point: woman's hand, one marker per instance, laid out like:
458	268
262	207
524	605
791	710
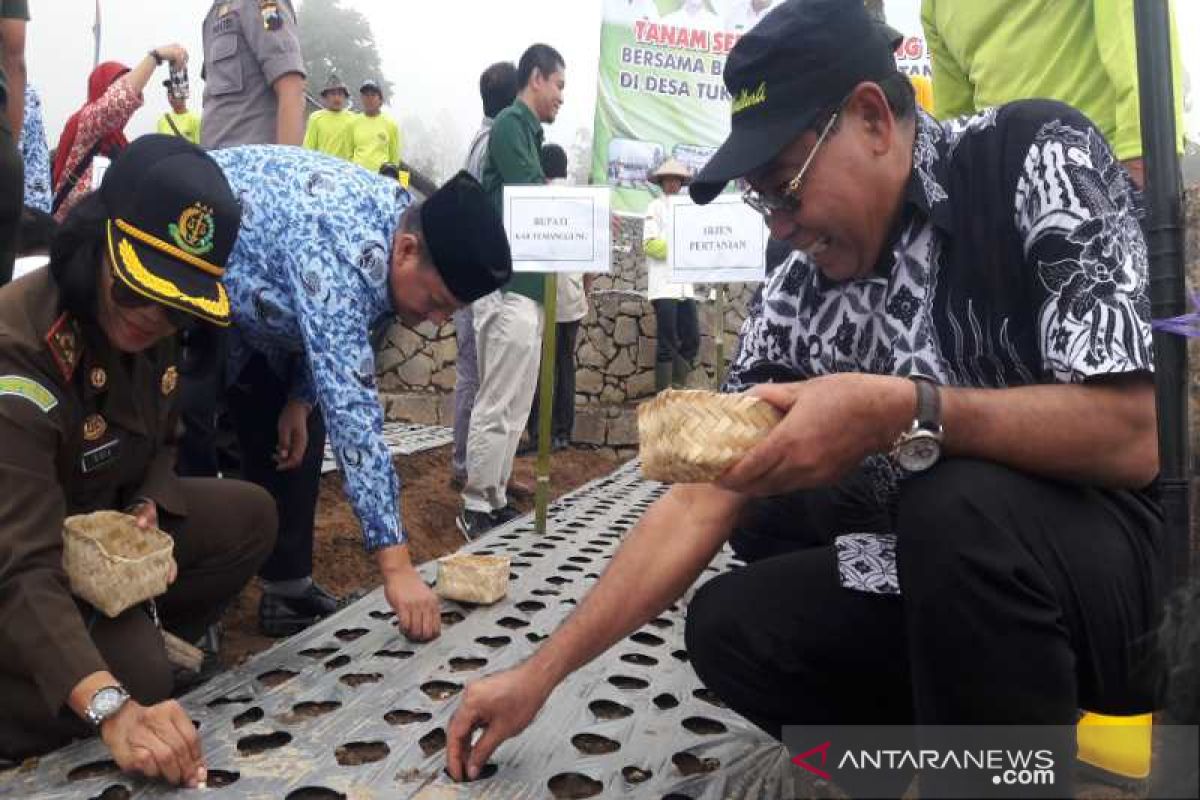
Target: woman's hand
174	53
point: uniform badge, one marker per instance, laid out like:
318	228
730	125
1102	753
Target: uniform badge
29	389
94	427
98	378
194	230
63	340
272	19
170	377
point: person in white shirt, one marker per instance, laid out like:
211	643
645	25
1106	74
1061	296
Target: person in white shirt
745	14
497	90
675	315
694	14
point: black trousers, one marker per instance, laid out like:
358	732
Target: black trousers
562	417
208	446
678	326
12	197
229	529
772	526
1022	600
254	402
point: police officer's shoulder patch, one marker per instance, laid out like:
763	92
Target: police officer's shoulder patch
65	340
29	389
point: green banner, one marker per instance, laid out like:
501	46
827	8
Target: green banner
660	92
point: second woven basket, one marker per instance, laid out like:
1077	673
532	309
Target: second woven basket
690	436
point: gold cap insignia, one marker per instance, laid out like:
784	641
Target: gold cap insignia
170	377
94	427
98	378
746	99
194	230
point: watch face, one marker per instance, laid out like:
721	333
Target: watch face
107	701
919	453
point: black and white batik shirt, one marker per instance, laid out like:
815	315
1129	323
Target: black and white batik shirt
1018	260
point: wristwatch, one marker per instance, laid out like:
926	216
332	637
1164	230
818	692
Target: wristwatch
105	702
920	447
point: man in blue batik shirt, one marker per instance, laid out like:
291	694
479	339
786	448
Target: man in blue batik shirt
327	249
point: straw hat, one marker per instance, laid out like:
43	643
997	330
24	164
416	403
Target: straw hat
671	168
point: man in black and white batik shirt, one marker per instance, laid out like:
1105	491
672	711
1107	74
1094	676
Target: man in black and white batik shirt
964	331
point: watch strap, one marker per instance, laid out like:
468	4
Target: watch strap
929	404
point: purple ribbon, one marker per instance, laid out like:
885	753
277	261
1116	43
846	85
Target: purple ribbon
1183	325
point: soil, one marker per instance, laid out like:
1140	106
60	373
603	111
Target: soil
429	506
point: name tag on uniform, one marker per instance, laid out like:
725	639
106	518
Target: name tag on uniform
226	23
100	457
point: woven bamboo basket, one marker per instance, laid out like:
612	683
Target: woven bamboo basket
112	563
472	579
691	436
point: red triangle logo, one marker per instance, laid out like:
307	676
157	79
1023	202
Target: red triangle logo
800	761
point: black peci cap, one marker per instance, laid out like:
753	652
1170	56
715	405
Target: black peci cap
173	221
803	57
466	239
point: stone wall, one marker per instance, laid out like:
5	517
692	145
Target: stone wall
614	353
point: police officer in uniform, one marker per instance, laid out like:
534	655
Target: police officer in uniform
253	75
88	384
253	94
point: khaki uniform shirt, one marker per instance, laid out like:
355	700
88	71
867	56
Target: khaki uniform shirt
84	428
242	61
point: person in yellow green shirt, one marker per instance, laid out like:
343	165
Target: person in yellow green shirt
375	135
329	130
1081	52
179	121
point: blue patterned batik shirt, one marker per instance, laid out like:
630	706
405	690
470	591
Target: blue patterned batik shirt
35	153
306	280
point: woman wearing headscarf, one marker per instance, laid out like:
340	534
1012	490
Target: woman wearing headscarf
88	384
97	129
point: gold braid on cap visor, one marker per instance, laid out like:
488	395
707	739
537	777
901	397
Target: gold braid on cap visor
170	249
169	292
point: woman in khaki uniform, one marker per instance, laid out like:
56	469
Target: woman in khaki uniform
87	421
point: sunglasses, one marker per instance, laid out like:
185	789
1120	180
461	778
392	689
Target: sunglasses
788	200
126	297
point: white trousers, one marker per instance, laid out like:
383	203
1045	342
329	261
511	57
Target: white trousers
508	342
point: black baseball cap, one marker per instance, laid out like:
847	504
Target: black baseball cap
173	221
370	85
802	58
466	239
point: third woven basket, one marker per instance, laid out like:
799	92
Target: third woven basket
693	436
112	563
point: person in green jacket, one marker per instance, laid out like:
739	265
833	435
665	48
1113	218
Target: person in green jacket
179	121
508	322
375	136
1081	52
330	130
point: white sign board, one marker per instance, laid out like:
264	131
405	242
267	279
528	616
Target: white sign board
558	228
722	242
